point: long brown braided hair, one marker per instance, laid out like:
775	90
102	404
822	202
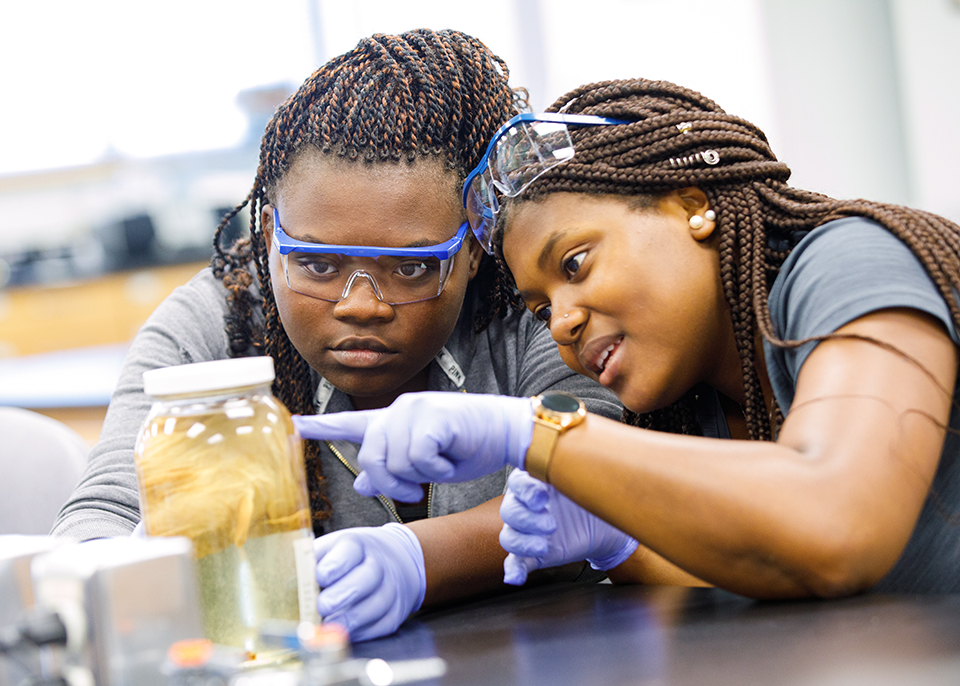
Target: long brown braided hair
390	100
677	138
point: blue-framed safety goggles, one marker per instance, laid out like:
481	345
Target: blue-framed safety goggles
522	150
397	275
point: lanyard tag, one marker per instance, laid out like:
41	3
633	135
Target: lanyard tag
322	398
451	368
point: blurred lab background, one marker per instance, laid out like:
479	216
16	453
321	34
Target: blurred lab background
127	129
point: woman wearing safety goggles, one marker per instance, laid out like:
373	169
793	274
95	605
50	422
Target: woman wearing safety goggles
788	361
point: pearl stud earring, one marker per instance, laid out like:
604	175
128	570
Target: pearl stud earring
696	221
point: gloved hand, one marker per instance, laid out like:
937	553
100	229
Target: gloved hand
371	578
543	528
429	437
139	531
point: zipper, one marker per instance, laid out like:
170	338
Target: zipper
383	499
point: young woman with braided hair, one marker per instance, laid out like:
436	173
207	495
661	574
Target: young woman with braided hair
362	281
656	236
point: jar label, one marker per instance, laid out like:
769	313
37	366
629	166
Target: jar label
306	579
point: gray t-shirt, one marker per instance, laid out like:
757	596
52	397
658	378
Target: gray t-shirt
840	271
514	356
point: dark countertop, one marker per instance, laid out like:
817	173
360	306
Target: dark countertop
607	634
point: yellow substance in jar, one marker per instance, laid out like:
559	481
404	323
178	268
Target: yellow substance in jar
222	477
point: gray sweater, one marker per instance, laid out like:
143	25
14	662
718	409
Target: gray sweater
514	356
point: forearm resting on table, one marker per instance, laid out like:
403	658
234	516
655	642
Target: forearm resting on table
646	567
461	553
463	557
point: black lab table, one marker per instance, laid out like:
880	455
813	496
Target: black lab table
599	634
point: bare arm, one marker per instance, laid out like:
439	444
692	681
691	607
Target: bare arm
826	510
461	553
463	558
646	567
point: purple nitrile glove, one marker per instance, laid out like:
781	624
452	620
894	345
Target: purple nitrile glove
429	437
371	578
543	528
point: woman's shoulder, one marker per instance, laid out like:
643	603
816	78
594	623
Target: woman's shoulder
197	308
202	295
849	253
206	289
843	270
849	234
518	329
500	348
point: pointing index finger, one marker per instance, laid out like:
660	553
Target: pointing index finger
347	426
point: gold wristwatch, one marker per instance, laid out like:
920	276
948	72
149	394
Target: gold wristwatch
554	412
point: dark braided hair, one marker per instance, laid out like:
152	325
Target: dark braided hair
677	138
390	100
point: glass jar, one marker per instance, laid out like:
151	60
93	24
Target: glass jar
220	462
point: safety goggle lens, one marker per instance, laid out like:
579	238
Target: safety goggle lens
524	153
395	280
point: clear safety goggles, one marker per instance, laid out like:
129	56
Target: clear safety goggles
396	275
522	150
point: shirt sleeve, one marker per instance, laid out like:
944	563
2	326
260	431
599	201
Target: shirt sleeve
839	272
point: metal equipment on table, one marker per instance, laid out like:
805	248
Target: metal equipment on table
126	612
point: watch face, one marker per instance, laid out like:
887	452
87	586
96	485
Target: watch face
560	402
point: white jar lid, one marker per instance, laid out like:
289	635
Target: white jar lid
204	377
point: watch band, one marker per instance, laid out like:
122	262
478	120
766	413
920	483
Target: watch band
544	440
554	412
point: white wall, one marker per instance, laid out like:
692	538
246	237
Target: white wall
553	46
837	97
927	41
859	97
